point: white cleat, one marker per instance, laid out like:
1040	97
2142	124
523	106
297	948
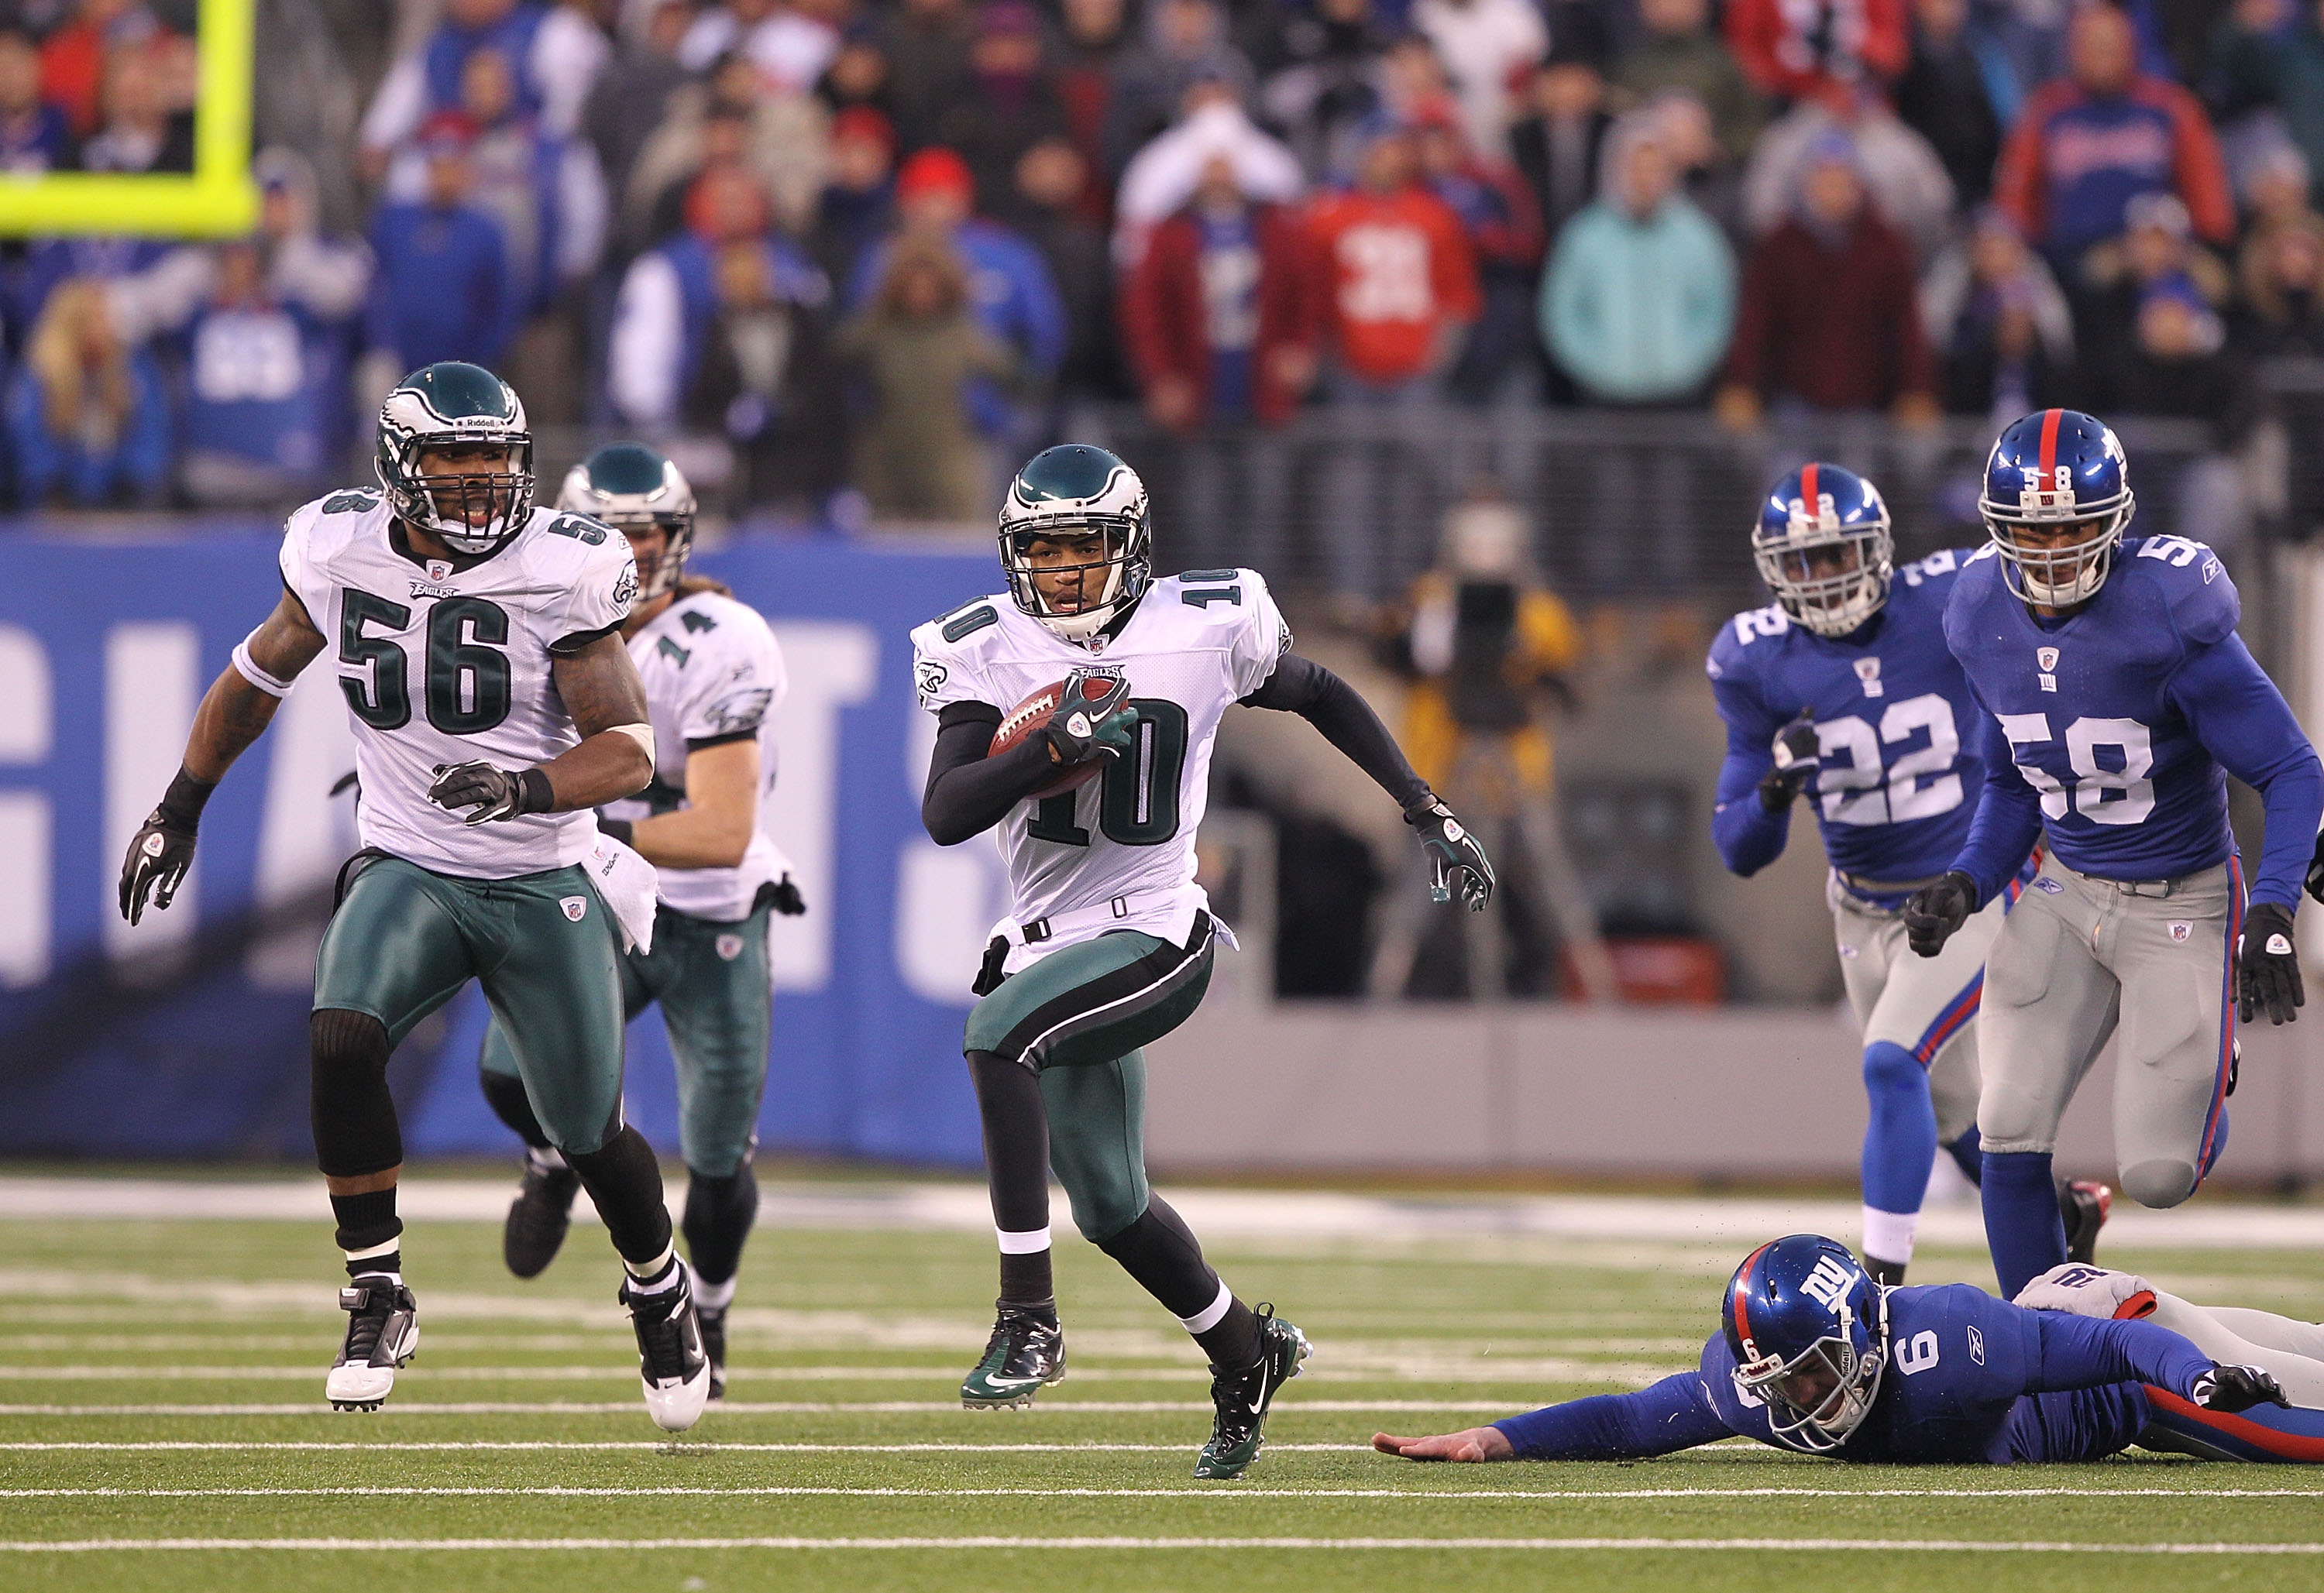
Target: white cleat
382	1333
673	1368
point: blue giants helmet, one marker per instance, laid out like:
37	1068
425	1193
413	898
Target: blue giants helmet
1808	1332
1824	547
2056	473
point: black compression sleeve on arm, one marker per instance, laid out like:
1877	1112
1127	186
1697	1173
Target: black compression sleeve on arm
967	792
1303	686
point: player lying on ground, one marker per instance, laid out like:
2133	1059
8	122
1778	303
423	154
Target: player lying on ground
1815	1356
714	678
1844	691
2117	698
475	641
1109	941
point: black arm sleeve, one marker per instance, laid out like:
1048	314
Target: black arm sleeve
968	793
1303	686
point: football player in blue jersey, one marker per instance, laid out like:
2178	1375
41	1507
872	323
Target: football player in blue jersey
1815	1356
2118	698
1843	690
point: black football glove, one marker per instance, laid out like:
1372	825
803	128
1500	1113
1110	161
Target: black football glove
1797	749
2267	967
162	850
494	793
1456	861
785	898
2229	1388
1086	727
1934	912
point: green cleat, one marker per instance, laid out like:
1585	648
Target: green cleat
1026	1354
1243	1399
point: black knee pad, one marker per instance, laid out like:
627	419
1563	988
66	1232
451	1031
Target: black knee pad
718	1216
353	1115
624	1181
504	1093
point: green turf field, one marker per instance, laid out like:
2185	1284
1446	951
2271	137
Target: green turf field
161	1385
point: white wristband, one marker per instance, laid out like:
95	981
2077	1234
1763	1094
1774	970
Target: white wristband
247	667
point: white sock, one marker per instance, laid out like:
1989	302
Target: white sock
1030	1242
1888	1235
655	1276
713	1296
1211	1316
547	1160
390	1247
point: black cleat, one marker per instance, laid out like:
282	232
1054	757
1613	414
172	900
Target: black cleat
2084	1203
713	1345
1243	1399
671	1364
539	1216
382	1333
1025	1355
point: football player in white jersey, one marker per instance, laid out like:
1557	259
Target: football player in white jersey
1109	941
475	639
714	677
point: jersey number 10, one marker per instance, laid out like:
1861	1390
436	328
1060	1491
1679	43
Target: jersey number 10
1137	797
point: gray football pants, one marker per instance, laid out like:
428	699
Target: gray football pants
1926	1006
2080	959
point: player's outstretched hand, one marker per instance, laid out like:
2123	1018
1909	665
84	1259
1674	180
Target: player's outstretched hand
2267	967
1097	727
1934	912
1456	861
1476	1443
1798	749
159	856
495	793
2230	1389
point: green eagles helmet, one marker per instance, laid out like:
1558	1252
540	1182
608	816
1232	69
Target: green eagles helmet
450	405
629	486
1074	489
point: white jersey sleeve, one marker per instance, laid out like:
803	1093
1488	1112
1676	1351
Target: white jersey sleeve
1263	635
746	681
949	658
303	564
600	591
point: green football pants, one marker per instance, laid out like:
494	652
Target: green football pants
1079	1016
543	946
711	979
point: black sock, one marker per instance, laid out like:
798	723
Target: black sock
1016	1123
1891	1273
1160	1251
718	1216
367	1220
504	1093
625	1181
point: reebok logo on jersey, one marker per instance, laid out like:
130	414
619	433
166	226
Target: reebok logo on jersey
574	906
1977	1346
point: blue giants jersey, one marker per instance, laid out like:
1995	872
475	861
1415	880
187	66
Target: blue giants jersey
1901	764
2113	729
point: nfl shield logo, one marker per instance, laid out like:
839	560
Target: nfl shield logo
574	906
1867	668
2181	931
2047	657
730	946
439	569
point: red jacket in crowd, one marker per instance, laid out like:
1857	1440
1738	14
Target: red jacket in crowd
1839	329
1789	49
2075	160
1165	319
1397	270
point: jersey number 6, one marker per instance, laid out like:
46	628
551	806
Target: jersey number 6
1138	800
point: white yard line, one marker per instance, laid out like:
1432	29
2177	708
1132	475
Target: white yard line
1432	1545
1390	1370
901	1407
1242	1491
690	1450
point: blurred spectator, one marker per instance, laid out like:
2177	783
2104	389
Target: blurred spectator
1556	146
2177	363
859	75
1797	50
1484	44
2088	145
1942	96
2282	277
2274	186
1319	79
88	423
1010	292
1048	183
1096	34
792	42
1639	302
1401	280
858	203
73	56
927	46
1222	316
1185	46
139	131
1012	104
1905	179
766	379
1505	237
1165	173
730	116
1676	48
2001	327
631	96
2155	250
1705	174
35	133
1411	73
444	290
919	347
723	283
1828	319
2281	67
554	50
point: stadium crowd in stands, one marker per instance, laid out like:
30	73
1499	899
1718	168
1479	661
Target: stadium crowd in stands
864	242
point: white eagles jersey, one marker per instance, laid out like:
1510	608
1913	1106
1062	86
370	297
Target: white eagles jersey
1119	852
441	665
713	673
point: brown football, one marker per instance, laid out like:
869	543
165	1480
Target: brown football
1028	717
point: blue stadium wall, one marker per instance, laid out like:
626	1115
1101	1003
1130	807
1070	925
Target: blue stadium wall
187	1036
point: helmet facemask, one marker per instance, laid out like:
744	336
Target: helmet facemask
1821	1395
1830	579
472	511
659	572
2057	574
1076	599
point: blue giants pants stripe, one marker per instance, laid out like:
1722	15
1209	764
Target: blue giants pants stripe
2295	1436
